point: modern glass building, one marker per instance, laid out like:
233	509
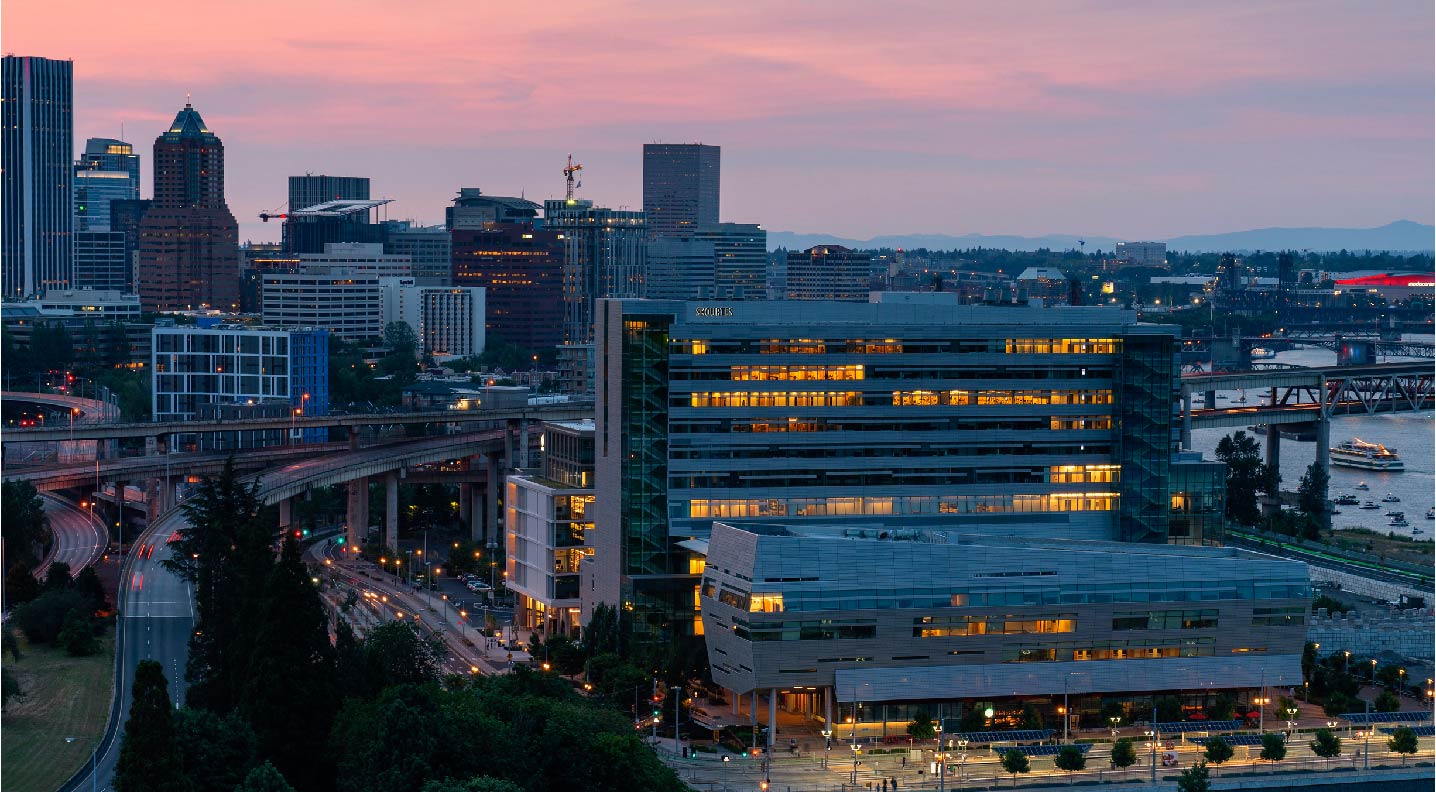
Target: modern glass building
309	190
547	522
36	175
680	186
873	623
1025	421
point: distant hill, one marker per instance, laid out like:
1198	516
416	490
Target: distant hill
1402	235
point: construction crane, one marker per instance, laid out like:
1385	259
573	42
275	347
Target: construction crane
275	214
568	173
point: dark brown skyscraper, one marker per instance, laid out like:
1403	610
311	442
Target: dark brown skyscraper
521	268
189	242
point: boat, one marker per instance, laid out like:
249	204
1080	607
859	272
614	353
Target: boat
1394	513
1399	523
1362	486
1368	506
1431	513
1346	500
1390	498
1357	453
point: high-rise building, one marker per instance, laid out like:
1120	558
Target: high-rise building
357	257
102	261
827	272
95	191
346	220
108	154
473	210
726	261
347	304
189	241
680	186
520	268
36	174
605	255
308	190
448	321
429	249
125	218
1029	421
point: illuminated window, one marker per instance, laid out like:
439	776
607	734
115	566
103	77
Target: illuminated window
766	603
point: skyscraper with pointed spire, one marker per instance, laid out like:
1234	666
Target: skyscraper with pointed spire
189	241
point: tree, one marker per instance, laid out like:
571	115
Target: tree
1339	703
395	654
27	529
1403	741
1387	701
1169	709
972	720
1195	779
1326	745
1070	758
87	583
1031	718
921	727
1218	750
1247	476
215	751
1124	755
1273	747
401	363
42	618
58	577
148	759
476	784
10	687
289	693
604	632
1015	762
1222	708
264	778
1311	492
77	633
20	586
225	551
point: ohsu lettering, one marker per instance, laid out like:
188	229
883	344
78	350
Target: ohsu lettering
719	310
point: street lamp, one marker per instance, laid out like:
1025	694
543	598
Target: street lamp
827	744
961	758
1114	720
1261	702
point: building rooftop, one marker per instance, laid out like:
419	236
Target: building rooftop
340	208
187	124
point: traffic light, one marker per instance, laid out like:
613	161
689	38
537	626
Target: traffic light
306	531
339	540
298	534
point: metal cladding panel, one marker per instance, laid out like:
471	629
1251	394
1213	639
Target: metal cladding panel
1030	679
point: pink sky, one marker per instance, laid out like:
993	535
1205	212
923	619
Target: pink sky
1127	119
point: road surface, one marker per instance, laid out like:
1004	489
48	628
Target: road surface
80	538
156	620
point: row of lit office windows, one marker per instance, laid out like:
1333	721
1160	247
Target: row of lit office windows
739	508
914	398
929	398
815	346
950	626
1071	594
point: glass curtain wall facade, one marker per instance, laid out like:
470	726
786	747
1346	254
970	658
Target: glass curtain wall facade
997	419
37	174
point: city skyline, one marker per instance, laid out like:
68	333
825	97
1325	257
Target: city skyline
1098	121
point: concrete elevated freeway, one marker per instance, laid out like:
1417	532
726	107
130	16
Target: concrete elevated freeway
562	411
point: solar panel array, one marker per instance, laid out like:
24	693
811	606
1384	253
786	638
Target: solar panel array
1182	727
1041	750
1419	731
1020	735
1387	717
1232	739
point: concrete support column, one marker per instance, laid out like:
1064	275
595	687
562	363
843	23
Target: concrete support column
733	701
772	720
357	515
152	500
1210	397
1272	503
828	710
465	496
1187	419
391	510
1323	458
753	718
171	497
523	443
476	514
353	438
285	516
491	500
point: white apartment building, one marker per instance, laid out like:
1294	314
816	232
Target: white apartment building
448	321
1143	254
348	304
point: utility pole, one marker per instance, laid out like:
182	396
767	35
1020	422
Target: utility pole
1154	742
677	700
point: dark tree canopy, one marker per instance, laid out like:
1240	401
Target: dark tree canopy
148	758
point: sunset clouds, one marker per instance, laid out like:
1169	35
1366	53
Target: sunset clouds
1131	119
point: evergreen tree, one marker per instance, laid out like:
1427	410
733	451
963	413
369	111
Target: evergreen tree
27	528
148	760
1247	476
215	751
20	586
1312	491
225	552
264	778
77	633
289	694
58	577
87	583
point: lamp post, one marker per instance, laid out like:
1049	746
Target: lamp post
1114	720
941	758
853	719
1366	752
961	758
827	745
1373	672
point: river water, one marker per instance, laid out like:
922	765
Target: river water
1412	435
